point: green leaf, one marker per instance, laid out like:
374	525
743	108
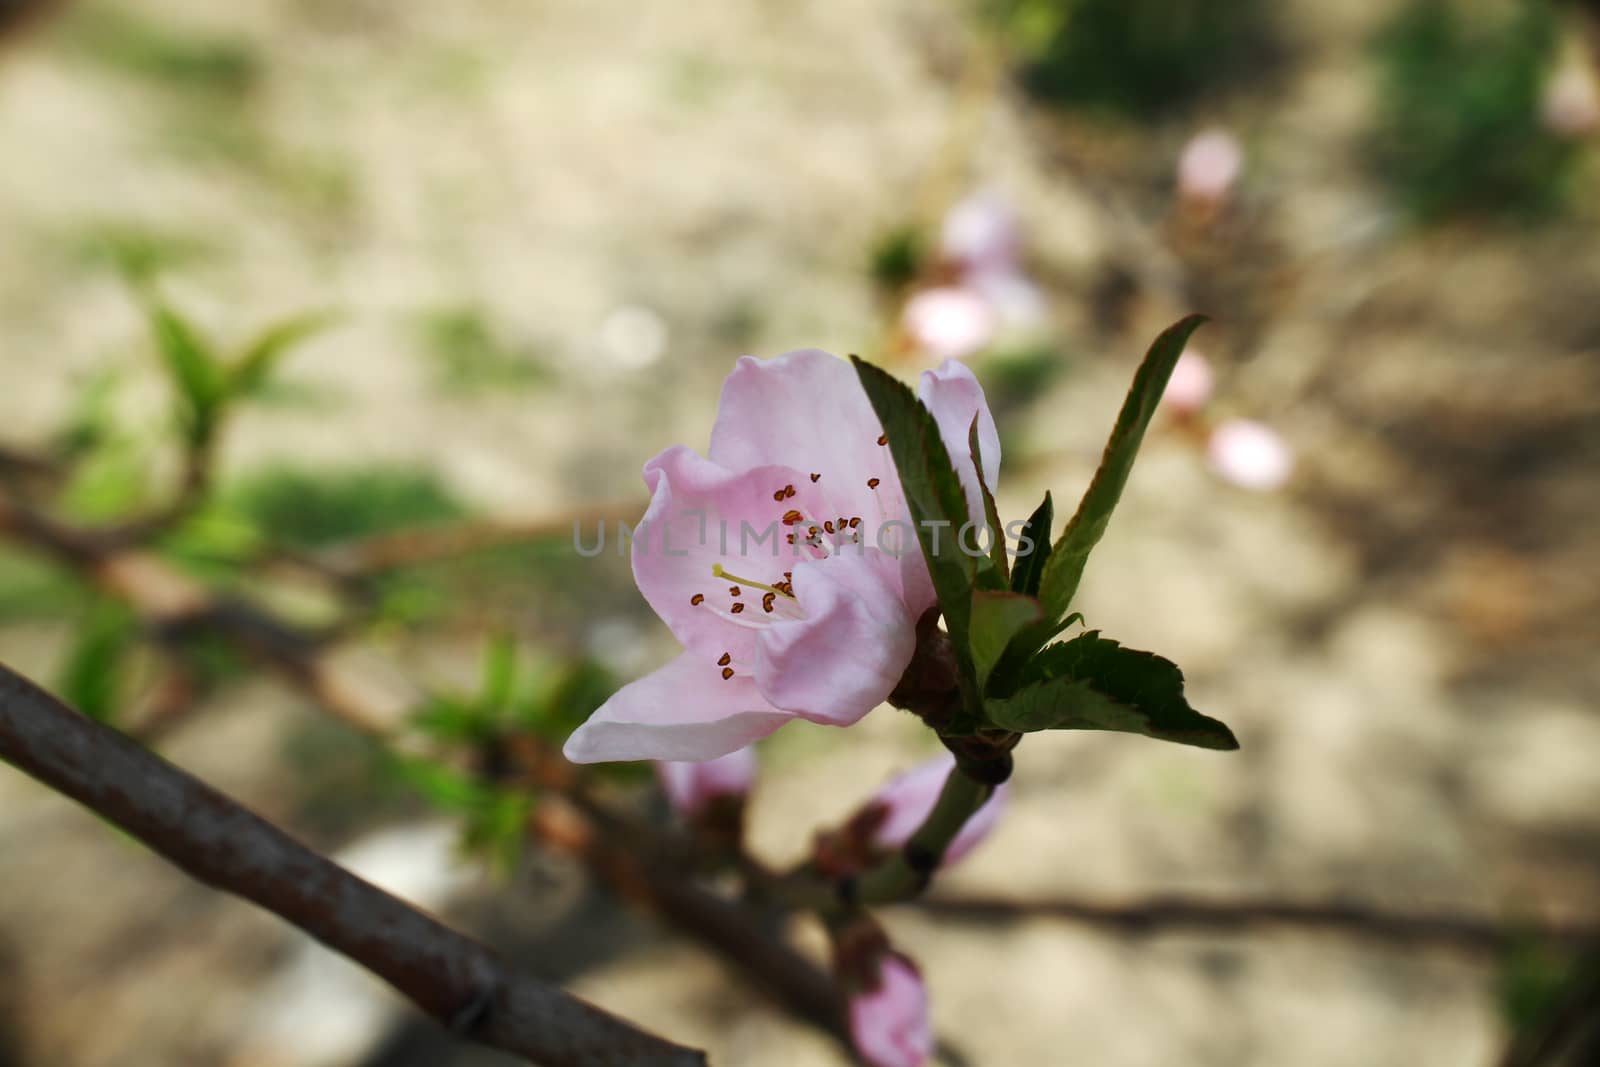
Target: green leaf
499	674
1064	569
996	619
937	503
1030	564
998	576
92	676
1092	683
193	369
259	358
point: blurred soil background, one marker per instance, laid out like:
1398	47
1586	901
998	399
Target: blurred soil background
548	229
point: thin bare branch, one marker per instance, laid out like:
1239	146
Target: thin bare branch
1162	914
215	840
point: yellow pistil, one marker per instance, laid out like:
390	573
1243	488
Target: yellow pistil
716	569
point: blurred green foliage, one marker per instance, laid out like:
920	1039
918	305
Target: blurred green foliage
469	353
161	53
304	509
1136	58
898	257
1459	130
93	675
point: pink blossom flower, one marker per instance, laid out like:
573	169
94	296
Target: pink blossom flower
1250	455
692	786
909	798
785	562
890	1024
1209	167
980	234
1571	104
1192	382
949	321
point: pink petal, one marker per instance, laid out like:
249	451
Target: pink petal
702	516
843	659
684	711
909	798
980	233
1191	385
890	1025
949	322
807	410
1250	455
691	786
1209	167
953	395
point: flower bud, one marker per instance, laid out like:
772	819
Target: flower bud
691	787
908	799
889	1023
1192	382
1250	455
949	322
1209	168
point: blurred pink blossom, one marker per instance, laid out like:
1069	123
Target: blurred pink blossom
1250	454
692	786
909	798
949	322
1571	104
1209	167
890	1024
980	234
1192	382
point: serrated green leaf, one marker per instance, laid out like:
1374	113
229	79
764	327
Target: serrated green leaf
1092	683
91	678
260	358
1036	536
996	619
937	504
193	369
1070	554
997	576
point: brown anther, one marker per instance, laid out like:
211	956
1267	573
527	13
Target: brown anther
727	658
733	590
727	672
790	538
779	495
738	607
855	522
816	477
872	483
828	526
884	439
788	490
767	601
793	518
697	599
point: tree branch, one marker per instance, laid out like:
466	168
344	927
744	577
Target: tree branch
1157	914
212	838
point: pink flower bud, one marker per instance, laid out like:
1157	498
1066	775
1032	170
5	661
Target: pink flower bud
1250	455
949	322
980	233
691	786
1209	167
1190	387
1571	104
889	1024
909	798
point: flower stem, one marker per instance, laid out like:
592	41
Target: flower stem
907	873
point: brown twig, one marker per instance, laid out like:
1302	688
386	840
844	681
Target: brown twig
212	838
410	548
1162	914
